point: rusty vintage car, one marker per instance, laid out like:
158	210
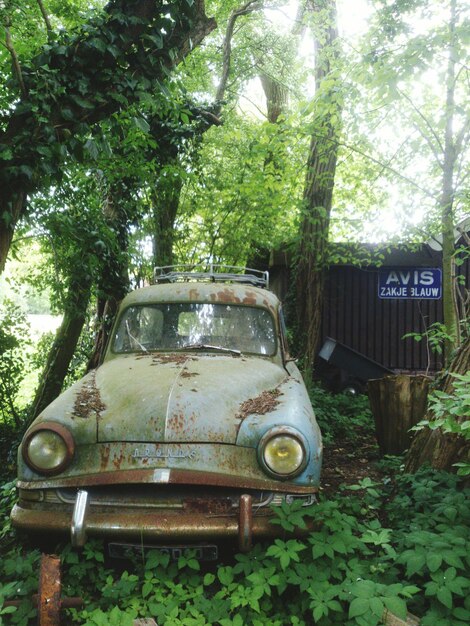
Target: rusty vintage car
196	422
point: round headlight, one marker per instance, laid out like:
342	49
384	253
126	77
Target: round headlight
48	449
283	452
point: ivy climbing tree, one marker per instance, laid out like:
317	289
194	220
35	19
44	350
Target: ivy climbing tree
79	79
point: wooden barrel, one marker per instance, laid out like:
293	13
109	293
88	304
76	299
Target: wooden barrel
398	402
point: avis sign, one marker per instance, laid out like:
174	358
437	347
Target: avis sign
410	283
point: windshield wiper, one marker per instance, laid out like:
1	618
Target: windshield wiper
206	346
134	339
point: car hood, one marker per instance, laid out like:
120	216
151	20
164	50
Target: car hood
179	397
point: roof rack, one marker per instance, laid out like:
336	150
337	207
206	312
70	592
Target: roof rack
211	273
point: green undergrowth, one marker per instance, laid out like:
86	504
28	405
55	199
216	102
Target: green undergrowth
341	415
400	544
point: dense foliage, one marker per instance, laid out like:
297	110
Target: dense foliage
397	542
342	416
401	544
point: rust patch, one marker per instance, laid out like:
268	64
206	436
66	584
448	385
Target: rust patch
176	422
225	295
250	298
117	461
210	506
49	590
186	374
266	402
105	452
179	359
88	400
193	294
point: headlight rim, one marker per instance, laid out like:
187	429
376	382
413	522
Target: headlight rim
58	429
289	432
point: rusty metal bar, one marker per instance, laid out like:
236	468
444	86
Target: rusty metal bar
65	603
127	524
245	523
48	600
49	590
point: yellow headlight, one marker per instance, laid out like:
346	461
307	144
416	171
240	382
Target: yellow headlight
283	455
48	450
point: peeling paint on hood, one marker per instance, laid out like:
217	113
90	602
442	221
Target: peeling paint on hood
192	399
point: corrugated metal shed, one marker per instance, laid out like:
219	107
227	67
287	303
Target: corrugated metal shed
355	315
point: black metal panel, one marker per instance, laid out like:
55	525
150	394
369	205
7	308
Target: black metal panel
355	363
355	316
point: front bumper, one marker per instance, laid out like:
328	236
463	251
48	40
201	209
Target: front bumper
149	526
242	517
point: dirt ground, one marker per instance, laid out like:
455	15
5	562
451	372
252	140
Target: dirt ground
346	463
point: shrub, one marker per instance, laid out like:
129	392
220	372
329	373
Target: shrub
398	545
341	415
13	338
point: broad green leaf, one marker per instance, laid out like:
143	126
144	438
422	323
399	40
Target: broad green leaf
397	606
433	561
445	597
359	606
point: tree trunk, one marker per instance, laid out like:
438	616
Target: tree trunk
312	254
106	313
165	203
11	212
276	97
434	447
245	9
119	210
64	345
446	203
318	191
397	403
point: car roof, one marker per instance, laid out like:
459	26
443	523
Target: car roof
192	291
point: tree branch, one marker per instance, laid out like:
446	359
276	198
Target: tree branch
182	40
429	126
383	165
248	7
45	17
14	57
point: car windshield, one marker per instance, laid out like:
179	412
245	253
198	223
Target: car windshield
176	326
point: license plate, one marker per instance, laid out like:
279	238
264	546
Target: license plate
131	551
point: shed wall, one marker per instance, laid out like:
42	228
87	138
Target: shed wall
354	315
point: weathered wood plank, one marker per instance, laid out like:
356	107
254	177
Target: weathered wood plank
389	619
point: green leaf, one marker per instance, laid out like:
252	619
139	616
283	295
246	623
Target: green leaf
318	612
147	589
225	575
142	124
377	607
397	606
209	579
415	564
8	610
6	154
433	561
445	597
358	606
82	102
